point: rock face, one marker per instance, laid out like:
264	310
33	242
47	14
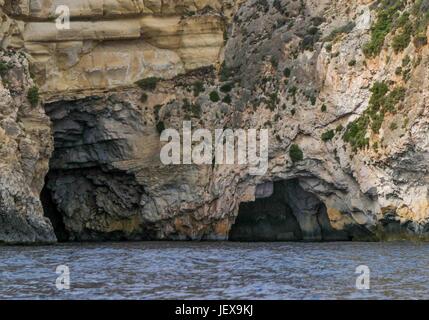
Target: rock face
117	42
340	85
25	149
289	214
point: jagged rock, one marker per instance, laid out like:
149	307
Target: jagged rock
296	68
25	149
114	43
289	214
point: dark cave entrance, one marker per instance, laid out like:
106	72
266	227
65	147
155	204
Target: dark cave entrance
83	187
52	213
289	213
91	192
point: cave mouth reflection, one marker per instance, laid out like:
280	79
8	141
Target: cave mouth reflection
287	213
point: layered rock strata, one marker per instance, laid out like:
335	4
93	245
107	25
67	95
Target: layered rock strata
340	85
113	44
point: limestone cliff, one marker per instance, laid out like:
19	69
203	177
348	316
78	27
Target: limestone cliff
114	43
25	148
341	86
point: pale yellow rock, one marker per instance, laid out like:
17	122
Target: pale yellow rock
83	30
44	9
113	43
109	65
80	8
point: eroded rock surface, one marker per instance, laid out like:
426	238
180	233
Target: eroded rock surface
25	149
115	43
311	72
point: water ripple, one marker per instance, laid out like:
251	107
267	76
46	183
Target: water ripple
185	270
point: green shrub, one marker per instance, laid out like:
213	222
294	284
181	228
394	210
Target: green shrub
379	91
406	75
186	105
377	121
307	43
403	20
279	7
273	100
33	96
398	71
160	127
196	110
324	108
198	88
214	96
382	101
328	135
406	61
382	27
296	153
420	10
352	63
144	97
356	133
409	24
156	110
293	91
339	128
287	72
317	21
403	39
393	126
227	99
191	109
4	68
225	72
274	62
227	87
313	30
394	97
148	83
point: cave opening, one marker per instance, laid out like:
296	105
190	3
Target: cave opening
91	192
87	198
52	213
284	212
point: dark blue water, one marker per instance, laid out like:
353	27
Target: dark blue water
184	270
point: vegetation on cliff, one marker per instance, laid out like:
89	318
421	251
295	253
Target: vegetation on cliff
296	153
33	96
148	83
394	17
382	101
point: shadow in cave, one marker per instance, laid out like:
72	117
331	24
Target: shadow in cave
52	213
287	213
